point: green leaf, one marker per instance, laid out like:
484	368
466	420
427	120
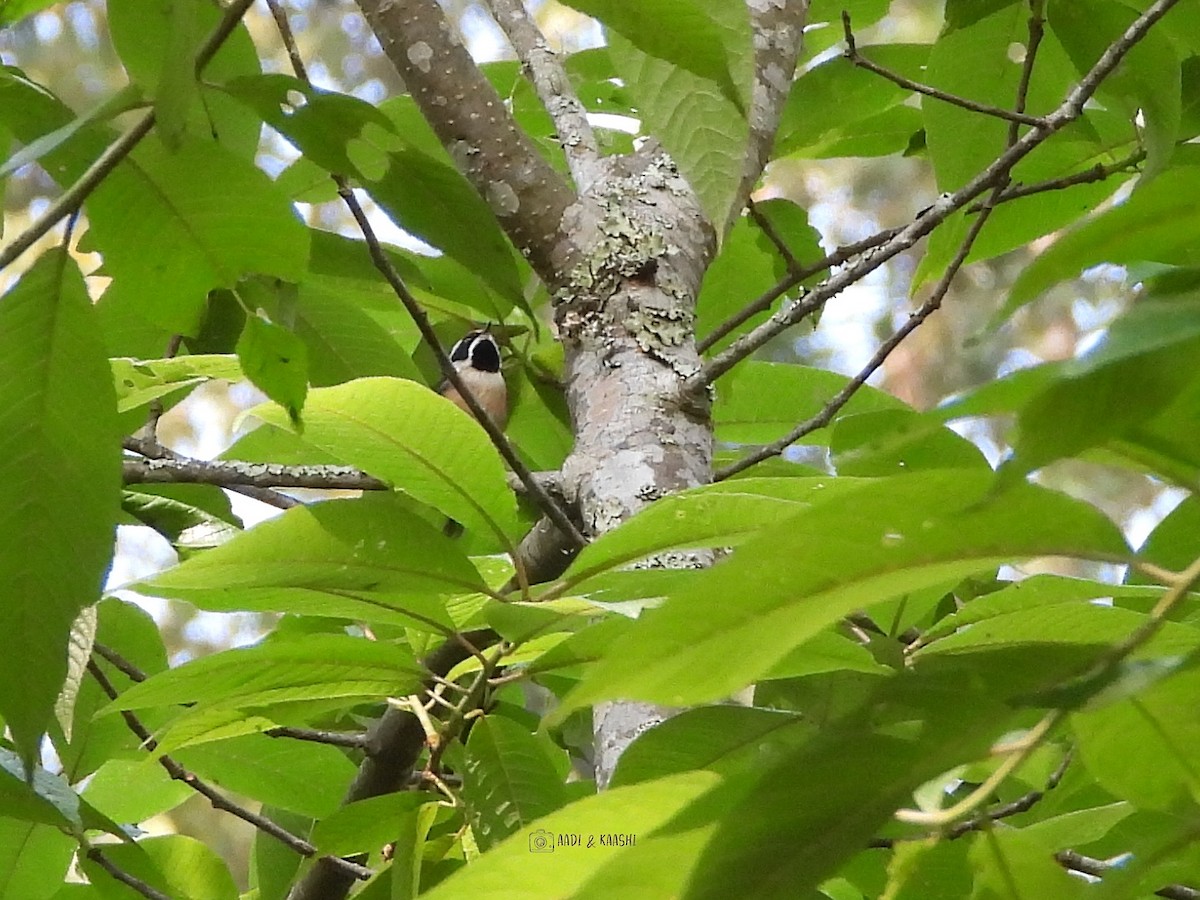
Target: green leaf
314	667
758	402
1157	727
45	799
300	776
1146	83
416	441
131	791
173	864
276	362
720	739
59	484
139	382
365	558
130	631
894	441
717	515
826	798
1010	862
703	130
321	124
158	41
33	858
432	200
829	100
1156	224
702	38
508	780
366	825
636	809
172	209
1143	365
815	567
749	264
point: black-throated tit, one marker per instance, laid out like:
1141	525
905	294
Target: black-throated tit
476	358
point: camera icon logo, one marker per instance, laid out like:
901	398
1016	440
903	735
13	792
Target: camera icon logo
541	841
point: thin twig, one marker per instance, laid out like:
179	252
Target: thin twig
1022	804
98	857
72	198
1098	868
768	228
289	40
156	405
553	87
215	797
997	173
1098	172
356	740
852	54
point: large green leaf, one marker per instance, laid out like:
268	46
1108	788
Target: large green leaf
702	38
825	798
749	264
1144	364
301	776
33	858
367	558
703	130
556	869
418	442
60	464
508	780
164	224
720	739
173	864
831	98
892	536
158	41
1157	727
759	402
716	515
1157	224
1147	82
290	670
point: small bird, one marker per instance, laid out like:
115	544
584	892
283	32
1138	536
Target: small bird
476	358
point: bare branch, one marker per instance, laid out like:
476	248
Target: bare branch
778	30
995	174
852	54
233	474
525	193
215	797
72	198
356	740
549	79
